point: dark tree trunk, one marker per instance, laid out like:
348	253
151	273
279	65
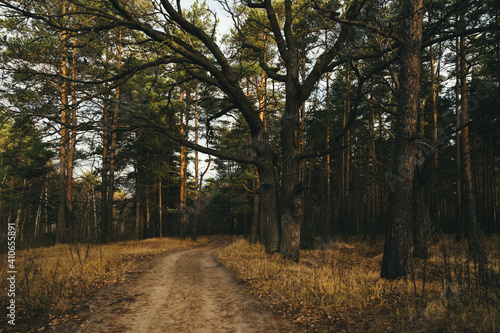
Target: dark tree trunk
61	232
72	120
459	219
270	228
183	169
105	224
137	200
256	212
291	188
421	212
474	232
372	201
398	235
112	137
435	161
346	164
329	205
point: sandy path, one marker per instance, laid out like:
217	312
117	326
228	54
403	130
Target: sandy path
186	291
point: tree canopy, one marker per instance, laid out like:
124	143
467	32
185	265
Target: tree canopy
328	111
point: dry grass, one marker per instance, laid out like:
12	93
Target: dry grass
51	281
339	289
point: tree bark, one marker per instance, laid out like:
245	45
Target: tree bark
459	220
421	213
291	189
147	228
329	208
474	232
112	150
398	235
256	211
72	137
197	181
137	199
183	168
61	233
105	230
346	163
160	201
435	163
373	171
269	214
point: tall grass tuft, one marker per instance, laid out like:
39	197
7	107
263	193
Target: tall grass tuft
51	281
338	288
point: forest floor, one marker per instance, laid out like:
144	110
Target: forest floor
337	287
169	285
184	291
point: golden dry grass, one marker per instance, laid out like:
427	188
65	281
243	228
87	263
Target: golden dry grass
339	289
51	281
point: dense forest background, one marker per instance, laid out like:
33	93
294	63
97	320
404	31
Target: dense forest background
106	104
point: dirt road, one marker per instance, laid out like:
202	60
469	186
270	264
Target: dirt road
186	291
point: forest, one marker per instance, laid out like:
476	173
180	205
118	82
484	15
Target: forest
291	123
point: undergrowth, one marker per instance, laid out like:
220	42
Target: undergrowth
338	288
52	281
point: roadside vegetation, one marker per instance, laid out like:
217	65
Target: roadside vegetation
52	281
338	288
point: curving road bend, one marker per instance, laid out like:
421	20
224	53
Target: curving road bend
185	291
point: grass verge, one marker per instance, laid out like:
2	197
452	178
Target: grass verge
51	282
338	288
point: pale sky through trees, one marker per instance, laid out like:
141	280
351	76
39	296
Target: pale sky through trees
223	27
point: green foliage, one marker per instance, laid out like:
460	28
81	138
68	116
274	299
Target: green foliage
23	154
24	157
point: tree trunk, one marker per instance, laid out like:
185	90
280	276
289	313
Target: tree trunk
183	169
373	184
61	234
398	235
421	213
498	43
270	230
72	137
111	175
197	182
271	240
112	151
435	164
256	211
159	182
474	233
137	200
105	232
266	169
493	190
329	208
291	188
148	212
346	161
459	219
